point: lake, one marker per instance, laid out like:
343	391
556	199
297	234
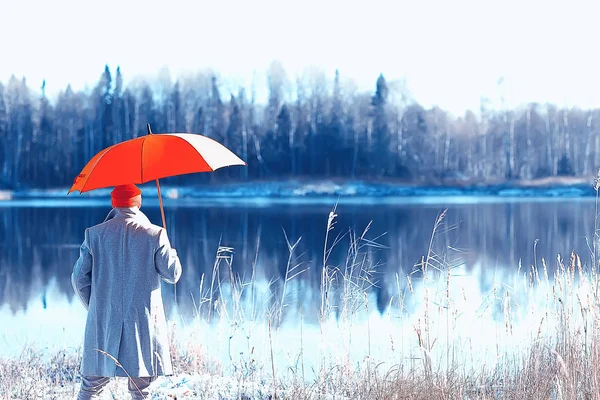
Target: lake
481	237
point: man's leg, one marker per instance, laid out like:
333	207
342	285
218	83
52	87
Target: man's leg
91	387
138	387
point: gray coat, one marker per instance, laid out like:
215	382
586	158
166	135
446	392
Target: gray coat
117	277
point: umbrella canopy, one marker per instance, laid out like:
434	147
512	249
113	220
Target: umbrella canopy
151	157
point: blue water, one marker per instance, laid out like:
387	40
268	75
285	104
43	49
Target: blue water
40	237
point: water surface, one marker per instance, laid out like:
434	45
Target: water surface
39	242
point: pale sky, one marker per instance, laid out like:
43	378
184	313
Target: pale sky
450	52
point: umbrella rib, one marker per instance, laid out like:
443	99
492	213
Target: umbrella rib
92	169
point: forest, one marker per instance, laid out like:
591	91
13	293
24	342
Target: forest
318	127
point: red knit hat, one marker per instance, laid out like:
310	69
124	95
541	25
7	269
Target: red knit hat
124	195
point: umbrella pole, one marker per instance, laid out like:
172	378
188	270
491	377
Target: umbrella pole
162	211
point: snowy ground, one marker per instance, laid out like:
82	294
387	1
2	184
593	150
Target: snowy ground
555	187
187	387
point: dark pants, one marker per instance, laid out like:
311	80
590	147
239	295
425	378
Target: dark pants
92	386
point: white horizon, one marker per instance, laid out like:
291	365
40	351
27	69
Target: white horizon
449	55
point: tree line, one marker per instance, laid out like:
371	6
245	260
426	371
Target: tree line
312	128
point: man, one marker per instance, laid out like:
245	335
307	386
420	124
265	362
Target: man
117	277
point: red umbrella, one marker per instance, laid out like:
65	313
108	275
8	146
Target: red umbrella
151	157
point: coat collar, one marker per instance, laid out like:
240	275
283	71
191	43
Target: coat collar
127	212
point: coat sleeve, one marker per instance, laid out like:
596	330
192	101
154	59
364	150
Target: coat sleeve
81	279
166	260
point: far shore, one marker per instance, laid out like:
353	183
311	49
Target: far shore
340	188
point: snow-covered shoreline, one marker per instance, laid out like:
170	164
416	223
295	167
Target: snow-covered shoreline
328	189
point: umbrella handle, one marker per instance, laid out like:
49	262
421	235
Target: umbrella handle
162	211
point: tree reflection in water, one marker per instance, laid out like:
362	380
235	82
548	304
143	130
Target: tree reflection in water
40	244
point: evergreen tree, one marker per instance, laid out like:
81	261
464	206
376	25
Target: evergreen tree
276	78
20	131
217	120
243	149
565	168
234	129
379	137
70	128
118	109
335	135
146	112
129	107
282	145
103	129
176	115
5	166
47	141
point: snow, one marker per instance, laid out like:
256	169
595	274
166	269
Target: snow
187	387
286	190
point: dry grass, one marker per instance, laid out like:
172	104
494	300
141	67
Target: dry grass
34	375
533	334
